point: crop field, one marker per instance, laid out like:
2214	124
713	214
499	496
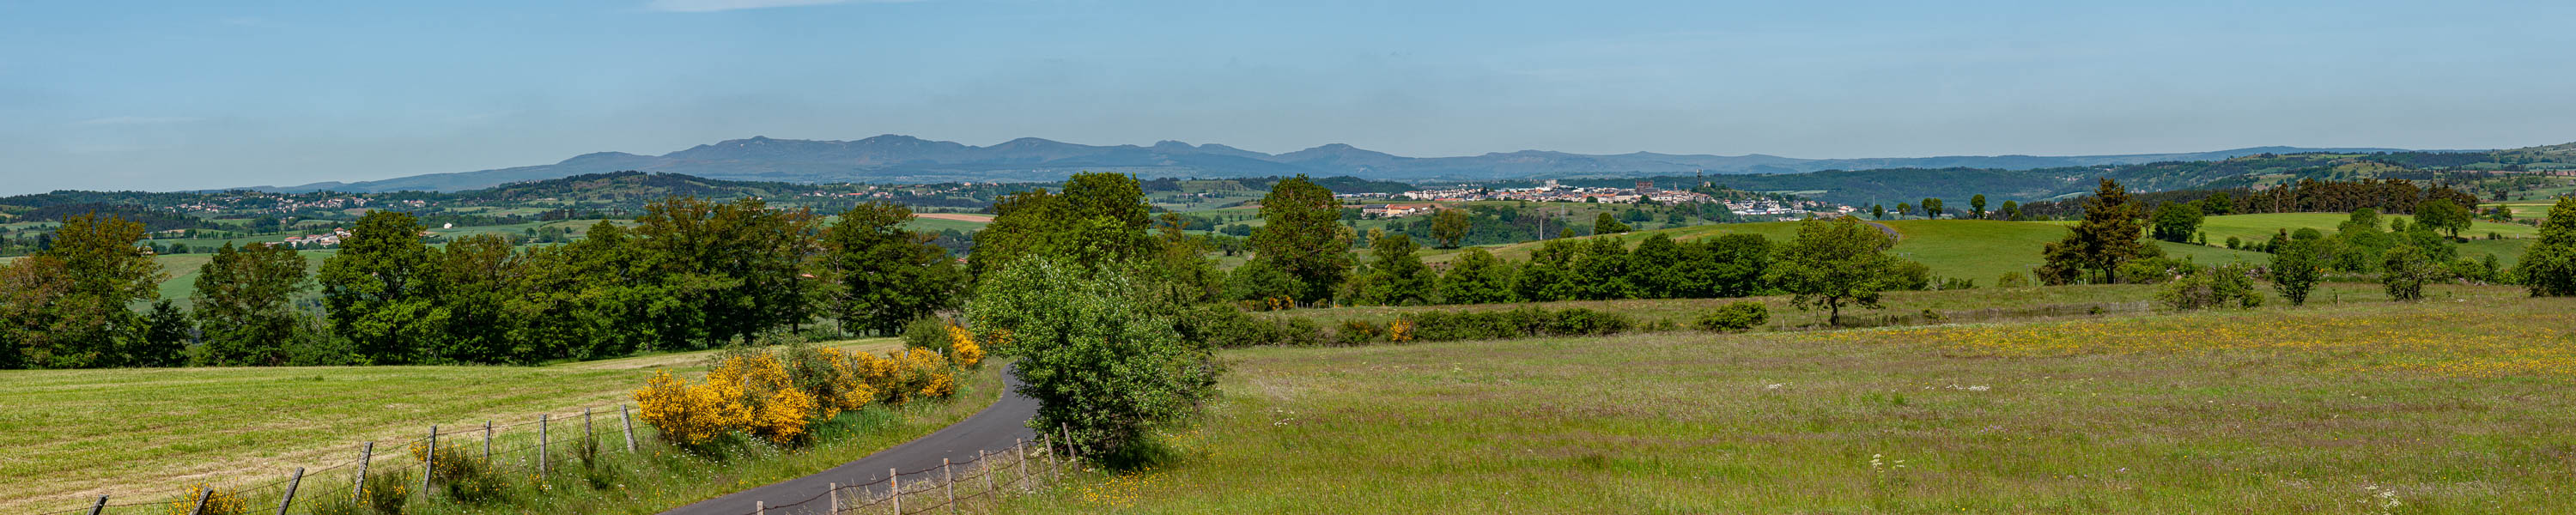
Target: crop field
2437	407
75	434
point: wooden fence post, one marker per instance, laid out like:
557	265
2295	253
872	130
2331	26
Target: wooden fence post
587	436
201	500
833	494
985	458
291	483
541	446
949	484
358	492
101	507
760	508
625	414
487	441
1022	447
894	483
429	463
1069	451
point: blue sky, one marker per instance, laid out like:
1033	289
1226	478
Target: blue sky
171	95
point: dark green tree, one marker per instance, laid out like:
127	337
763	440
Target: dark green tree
2548	267
380	289
2404	271
1303	236
1730	265
1477	277
1602	272
2107	237
1606	224
1977	206
245	303
87	322
1104	366
1396	276
1657	268
1932	208
882	275
2175	222
2443	215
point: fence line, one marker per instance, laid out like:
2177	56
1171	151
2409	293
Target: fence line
375	458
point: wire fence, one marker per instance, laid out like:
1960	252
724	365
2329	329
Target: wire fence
539	446
976	485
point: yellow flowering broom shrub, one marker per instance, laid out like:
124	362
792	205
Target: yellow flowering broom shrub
222	502
962	348
779	396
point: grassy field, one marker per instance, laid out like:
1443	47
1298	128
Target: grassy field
1982	250
1907	307
2257	228
76	434
2436	407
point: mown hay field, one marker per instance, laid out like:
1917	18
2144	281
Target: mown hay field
72	435
2456	406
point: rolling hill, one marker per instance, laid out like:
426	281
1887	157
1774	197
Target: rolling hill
894	158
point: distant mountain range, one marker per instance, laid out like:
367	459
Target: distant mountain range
895	158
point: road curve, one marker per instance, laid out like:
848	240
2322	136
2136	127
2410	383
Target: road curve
995	428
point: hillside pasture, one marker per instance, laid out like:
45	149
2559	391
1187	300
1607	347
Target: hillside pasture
2434	407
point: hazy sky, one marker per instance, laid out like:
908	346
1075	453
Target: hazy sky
191	94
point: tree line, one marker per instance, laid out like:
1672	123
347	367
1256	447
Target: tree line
689	274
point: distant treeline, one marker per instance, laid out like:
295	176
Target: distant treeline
2306	196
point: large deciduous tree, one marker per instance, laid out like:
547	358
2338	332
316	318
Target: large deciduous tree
1105	366
2176	222
1450	226
1834	263
1477	277
883	275
381	289
245	304
1396	275
2443	215
1301	235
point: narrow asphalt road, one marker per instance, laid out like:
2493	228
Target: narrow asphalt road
994	429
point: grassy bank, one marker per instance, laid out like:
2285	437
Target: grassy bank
75	434
2436	407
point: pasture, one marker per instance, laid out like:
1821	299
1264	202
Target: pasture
2436	407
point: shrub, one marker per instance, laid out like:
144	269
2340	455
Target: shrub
1516	323
1228	327
220	502
1357	332
2012	280
465	478
335	505
1585	322
1736	316
965	352
2212	287
777	399
387	492
926	333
